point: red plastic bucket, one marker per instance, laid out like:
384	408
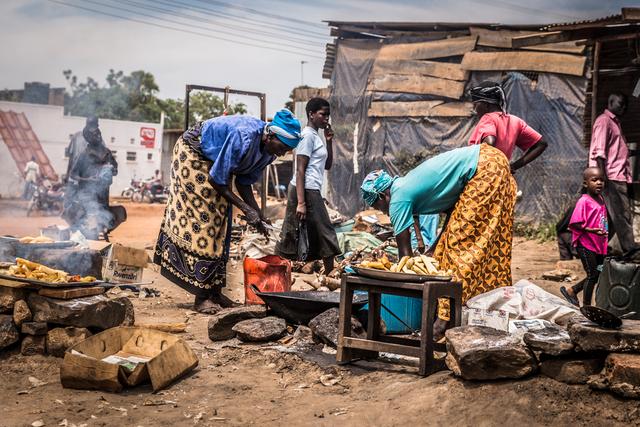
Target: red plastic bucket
270	273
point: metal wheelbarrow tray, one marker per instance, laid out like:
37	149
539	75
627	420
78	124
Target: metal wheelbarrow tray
302	306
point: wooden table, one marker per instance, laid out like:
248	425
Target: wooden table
350	347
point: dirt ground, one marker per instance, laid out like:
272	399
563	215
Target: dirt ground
238	384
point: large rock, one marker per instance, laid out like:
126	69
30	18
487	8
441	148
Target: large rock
259	330
325	327
89	312
60	339
483	353
571	370
32	345
8	298
552	340
588	336
221	324
9	334
34	328
621	375
21	313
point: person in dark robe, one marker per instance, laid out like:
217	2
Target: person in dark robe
89	175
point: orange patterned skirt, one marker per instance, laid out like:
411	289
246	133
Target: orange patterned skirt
476	245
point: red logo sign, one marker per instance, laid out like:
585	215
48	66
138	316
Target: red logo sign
147	137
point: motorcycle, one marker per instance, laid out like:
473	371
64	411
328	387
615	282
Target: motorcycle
134	185
47	198
149	192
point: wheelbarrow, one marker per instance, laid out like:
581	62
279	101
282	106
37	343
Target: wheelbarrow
302	306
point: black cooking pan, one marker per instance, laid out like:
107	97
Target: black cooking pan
302	306
602	317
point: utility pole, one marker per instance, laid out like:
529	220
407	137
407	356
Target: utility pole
302	72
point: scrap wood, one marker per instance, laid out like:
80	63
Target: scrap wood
174	328
543	62
70	293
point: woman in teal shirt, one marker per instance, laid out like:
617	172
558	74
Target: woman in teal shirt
474	187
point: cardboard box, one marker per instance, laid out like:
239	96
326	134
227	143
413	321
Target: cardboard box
125	357
123	264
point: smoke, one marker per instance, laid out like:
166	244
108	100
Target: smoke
87	204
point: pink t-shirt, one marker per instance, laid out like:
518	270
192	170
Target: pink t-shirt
590	213
509	131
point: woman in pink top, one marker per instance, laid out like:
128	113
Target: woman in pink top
501	130
589	231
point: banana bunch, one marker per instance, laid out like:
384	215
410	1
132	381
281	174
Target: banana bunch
421	264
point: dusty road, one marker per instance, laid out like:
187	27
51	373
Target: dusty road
238	384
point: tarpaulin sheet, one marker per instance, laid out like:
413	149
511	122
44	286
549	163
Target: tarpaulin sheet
553	105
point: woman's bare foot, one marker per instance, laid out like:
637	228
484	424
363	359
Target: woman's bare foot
222	300
206	306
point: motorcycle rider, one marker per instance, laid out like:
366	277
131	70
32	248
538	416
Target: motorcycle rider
31	175
156	184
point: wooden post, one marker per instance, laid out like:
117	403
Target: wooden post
594	82
265	173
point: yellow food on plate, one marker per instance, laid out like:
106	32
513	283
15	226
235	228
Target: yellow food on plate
26	269
39	239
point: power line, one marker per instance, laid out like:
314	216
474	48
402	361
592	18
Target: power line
280	37
215	12
98	3
182	30
262	13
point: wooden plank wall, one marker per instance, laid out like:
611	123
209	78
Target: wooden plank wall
424	85
544	62
445	70
420	68
428	50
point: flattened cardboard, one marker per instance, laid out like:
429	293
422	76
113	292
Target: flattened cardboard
124	264
83	367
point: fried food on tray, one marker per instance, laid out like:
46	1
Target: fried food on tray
32	270
39	239
421	264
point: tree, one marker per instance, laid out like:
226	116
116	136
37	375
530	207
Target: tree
134	97
202	106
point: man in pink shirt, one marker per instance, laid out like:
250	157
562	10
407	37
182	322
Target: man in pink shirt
501	130
609	152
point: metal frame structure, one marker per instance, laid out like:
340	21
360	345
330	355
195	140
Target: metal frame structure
227	90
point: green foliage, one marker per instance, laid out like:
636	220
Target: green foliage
134	97
9	95
545	232
202	106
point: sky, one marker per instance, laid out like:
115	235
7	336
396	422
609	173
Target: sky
245	44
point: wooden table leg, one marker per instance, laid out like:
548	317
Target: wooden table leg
344	326
373	325
426	334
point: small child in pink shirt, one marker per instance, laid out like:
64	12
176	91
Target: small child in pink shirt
589	231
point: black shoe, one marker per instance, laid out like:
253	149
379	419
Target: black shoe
571	298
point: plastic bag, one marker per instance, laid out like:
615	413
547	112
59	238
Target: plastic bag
525	300
303	241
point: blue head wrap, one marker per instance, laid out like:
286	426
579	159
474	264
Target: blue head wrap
286	127
375	183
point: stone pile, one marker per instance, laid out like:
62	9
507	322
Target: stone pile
44	325
581	353
251	324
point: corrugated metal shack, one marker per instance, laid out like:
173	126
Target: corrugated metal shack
400	89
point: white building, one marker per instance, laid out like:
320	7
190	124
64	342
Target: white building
137	146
